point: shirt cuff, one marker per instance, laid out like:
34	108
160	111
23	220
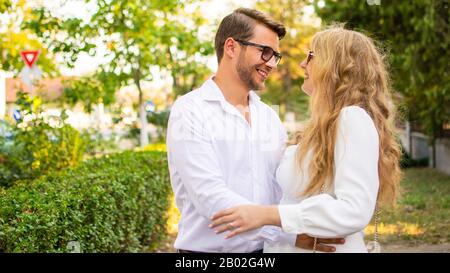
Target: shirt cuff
287	238
271	234
291	221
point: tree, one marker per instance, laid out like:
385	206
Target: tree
187	65
90	90
13	39
142	39
417	33
284	87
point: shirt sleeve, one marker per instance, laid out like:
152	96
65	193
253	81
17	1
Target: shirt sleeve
271	234
356	184
191	153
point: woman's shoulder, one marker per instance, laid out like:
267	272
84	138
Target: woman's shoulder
354	110
355	122
355	116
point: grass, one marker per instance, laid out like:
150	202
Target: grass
422	215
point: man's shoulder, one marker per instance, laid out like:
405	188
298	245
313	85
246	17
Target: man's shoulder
192	97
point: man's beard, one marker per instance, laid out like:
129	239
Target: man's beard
245	73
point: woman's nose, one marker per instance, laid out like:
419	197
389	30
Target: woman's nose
303	64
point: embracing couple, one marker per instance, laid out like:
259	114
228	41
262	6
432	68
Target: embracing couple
242	186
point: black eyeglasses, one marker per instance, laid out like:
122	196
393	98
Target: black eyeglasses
309	57
266	51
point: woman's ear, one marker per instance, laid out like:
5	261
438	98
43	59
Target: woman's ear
230	48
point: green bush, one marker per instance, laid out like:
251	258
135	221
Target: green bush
37	144
116	203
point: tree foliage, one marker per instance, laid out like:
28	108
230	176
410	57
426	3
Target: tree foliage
284	87
417	34
90	90
142	39
14	39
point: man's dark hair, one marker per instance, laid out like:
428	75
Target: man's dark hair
240	25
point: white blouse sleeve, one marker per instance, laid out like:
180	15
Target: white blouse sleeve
356	184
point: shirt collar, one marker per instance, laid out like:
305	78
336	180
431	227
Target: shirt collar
212	92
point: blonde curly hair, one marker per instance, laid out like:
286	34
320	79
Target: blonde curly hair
348	70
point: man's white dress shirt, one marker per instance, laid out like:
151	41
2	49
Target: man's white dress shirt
217	160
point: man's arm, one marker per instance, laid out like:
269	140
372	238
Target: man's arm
192	155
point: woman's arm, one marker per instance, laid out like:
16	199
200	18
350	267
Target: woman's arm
248	217
356	183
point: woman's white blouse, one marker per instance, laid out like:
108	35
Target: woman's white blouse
345	209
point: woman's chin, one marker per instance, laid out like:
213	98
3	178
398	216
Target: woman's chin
306	90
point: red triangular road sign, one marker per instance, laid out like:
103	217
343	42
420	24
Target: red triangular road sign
29	57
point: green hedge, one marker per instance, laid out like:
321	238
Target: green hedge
116	203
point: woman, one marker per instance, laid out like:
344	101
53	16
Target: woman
344	160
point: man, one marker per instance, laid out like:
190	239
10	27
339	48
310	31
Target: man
224	144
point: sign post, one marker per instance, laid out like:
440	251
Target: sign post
30	72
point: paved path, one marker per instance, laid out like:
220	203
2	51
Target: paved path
441	248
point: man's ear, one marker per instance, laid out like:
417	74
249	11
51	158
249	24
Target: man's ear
230	48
